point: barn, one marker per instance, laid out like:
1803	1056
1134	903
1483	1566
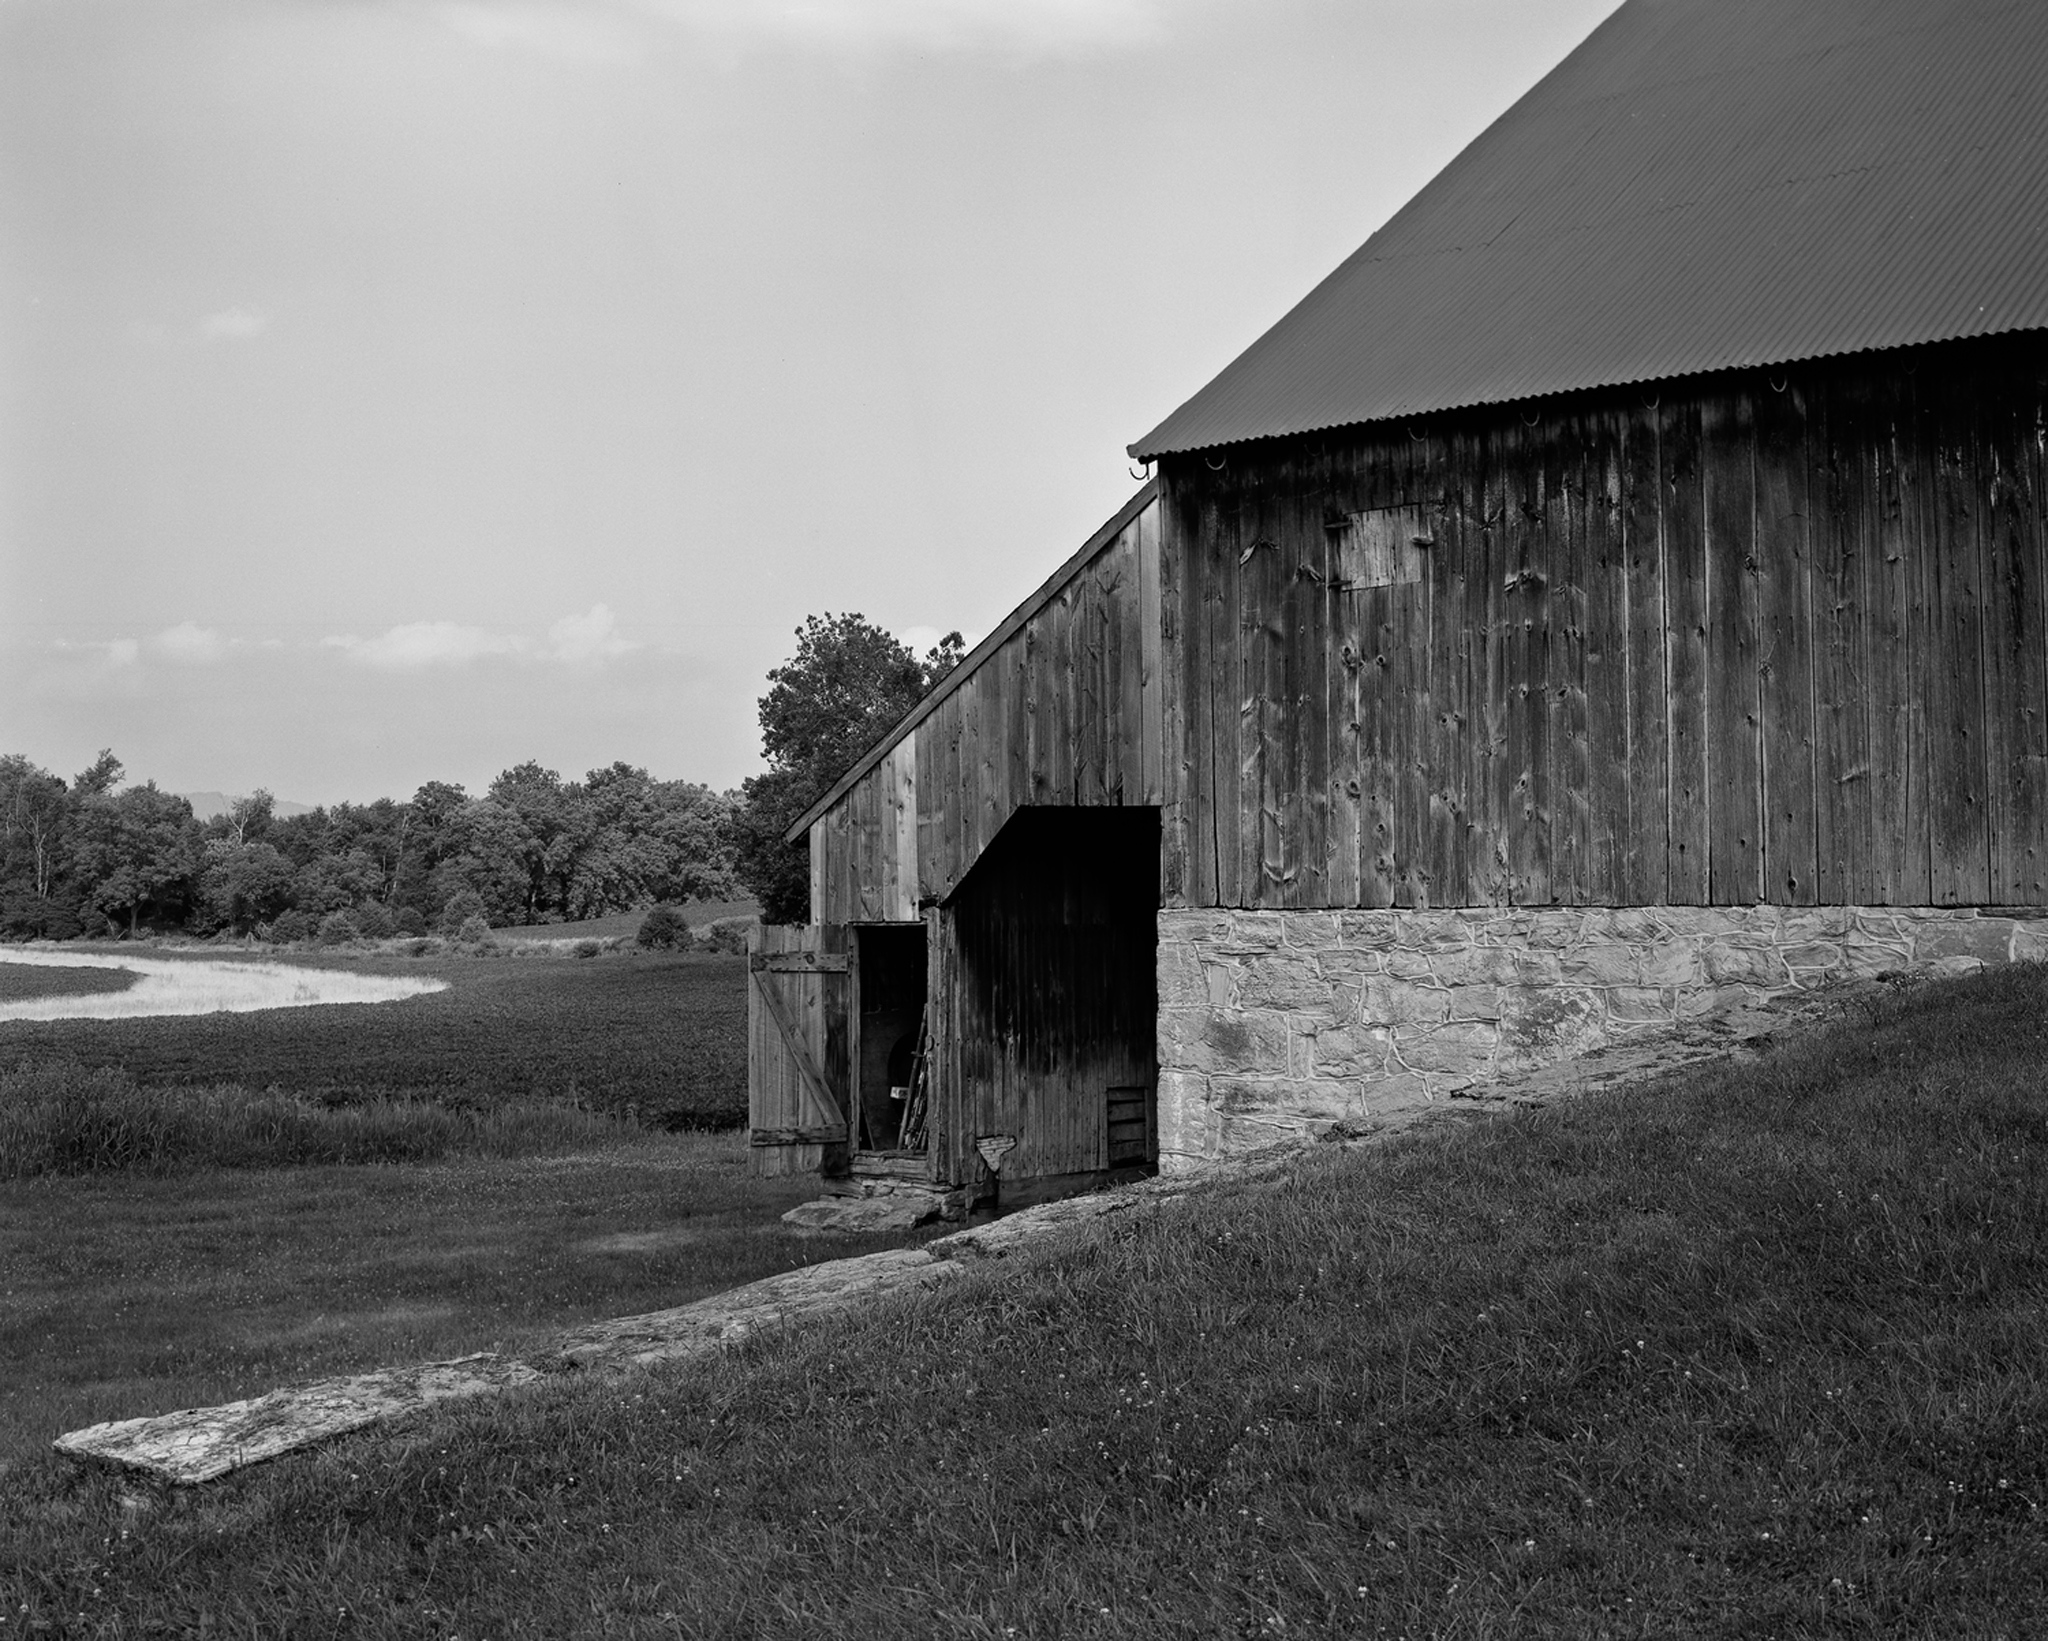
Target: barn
1615	595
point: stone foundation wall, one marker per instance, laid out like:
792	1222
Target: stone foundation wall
1277	1024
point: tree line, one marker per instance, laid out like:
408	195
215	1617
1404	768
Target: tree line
94	856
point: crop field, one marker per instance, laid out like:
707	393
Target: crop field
658	1037
19	984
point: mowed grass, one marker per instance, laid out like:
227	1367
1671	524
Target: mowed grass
126	1294
1755	1351
661	1038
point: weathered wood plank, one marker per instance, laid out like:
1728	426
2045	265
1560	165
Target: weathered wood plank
1688	595
1491	877
1603	556
1151	723
1264	746
1783	556
2016	647
1204	654
1566	526
1646	772
1843	535
1897	725
1734	746
903	904
1525	608
1958	814
1344	667
1308	685
1451	463
1176	877
1225	684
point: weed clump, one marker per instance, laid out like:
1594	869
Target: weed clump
663	929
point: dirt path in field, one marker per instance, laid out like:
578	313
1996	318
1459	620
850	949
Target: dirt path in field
199	986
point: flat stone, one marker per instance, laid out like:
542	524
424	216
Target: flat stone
197	1444
864	1215
697	1330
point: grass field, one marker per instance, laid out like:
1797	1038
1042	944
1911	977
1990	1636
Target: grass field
123	1295
19	983
662	1037
627	924
1752	1352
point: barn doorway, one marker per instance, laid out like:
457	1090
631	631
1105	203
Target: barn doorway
889	1086
1048	1011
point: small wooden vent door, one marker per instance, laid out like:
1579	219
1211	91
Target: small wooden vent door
797	1073
1128	1138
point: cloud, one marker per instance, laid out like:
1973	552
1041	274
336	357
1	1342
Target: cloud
594	29
588	638
420	644
190	643
579	33
116	652
233	324
581	640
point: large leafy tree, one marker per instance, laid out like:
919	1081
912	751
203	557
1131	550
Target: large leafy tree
140	850
844	689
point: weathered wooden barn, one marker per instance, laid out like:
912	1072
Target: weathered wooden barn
1616	594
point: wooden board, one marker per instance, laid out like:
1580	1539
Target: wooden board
1783	578
1640	874
1734	741
1844	538
1958	819
2015	647
797	1047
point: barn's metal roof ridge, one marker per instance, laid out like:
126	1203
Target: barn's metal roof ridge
1047	591
1701	185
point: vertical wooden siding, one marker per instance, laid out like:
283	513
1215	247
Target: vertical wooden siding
1779	636
1069	712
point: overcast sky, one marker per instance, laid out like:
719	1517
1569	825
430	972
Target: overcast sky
399	389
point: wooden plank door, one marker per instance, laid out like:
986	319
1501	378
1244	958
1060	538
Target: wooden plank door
797	1051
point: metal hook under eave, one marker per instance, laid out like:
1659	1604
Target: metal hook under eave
1531	421
1779	387
1215	467
1418	438
1142	472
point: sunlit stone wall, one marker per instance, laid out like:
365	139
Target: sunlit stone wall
1274	1025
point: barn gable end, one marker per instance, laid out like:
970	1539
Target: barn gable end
1488	701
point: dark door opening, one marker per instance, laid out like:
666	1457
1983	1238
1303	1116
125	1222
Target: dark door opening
1051	956
891	989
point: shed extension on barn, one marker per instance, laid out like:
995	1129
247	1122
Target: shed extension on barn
1615	595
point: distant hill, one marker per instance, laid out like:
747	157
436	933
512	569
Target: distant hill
208	804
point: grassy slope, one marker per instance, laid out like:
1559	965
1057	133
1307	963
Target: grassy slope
122	1295
665	1035
1754	1352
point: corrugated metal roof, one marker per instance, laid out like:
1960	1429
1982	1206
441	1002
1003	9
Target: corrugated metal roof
1701	185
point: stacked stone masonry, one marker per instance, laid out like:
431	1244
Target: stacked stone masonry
1275	1025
